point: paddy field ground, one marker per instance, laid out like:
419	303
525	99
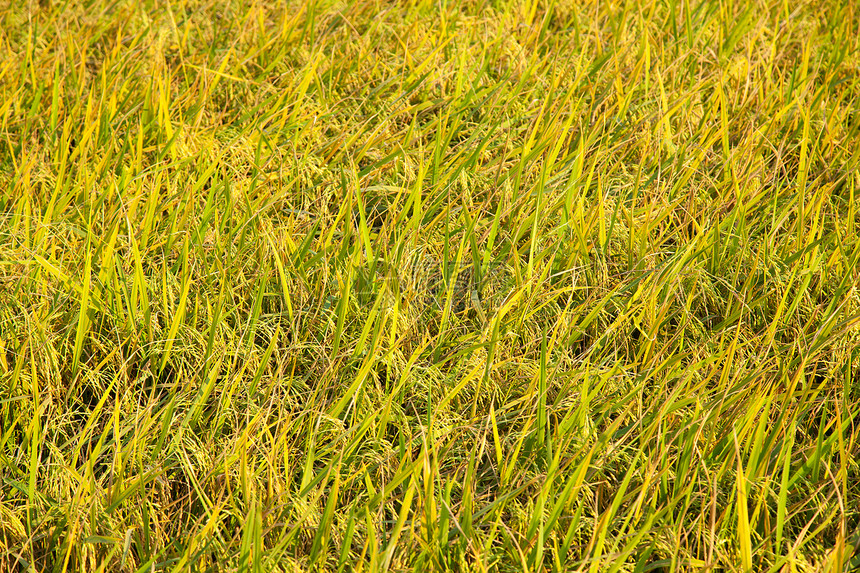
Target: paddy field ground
429	285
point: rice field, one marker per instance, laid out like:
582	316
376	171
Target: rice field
479	285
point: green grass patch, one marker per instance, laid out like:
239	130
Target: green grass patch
436	286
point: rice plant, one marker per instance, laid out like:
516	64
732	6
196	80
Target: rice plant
498	285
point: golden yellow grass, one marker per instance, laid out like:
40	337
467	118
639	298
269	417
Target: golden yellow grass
485	286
